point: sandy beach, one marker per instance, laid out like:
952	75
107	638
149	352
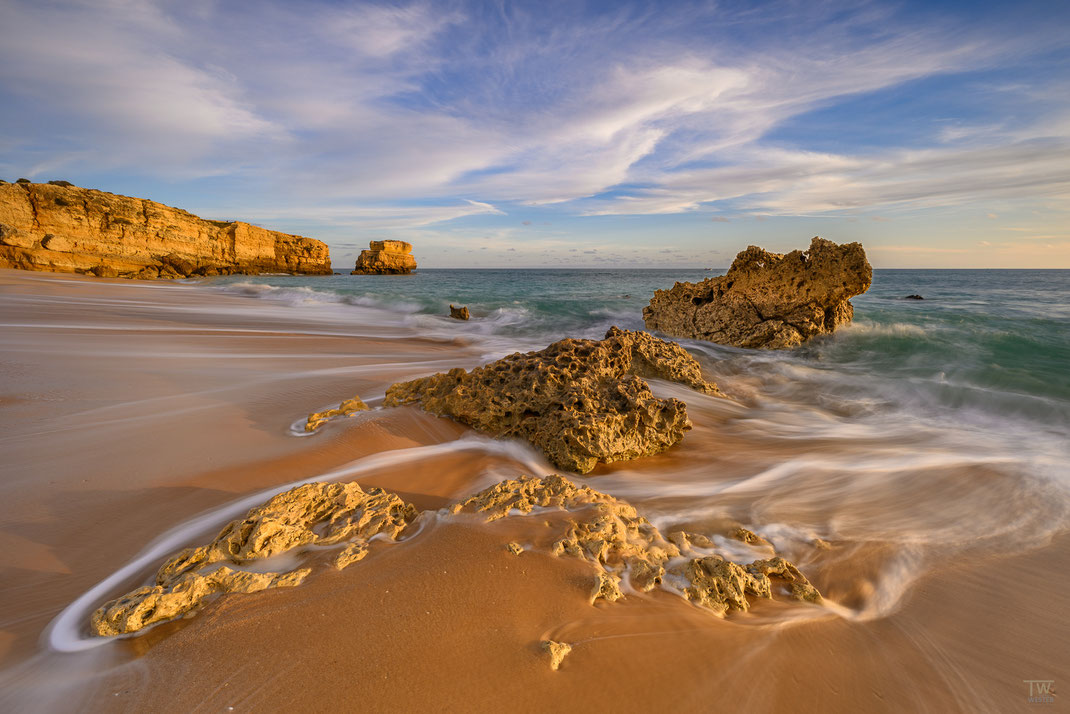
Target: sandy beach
129	409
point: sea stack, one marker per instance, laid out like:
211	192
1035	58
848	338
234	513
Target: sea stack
767	300
385	257
62	228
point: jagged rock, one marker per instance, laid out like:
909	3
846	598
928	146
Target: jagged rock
601	529
557	651
606	587
580	401
767	300
385	257
311	514
515	548
182	598
351	554
347	408
63	228
747	536
611	534
459	313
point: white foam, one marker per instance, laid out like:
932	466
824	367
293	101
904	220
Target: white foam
65	632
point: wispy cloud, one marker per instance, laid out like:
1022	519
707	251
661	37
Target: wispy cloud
398	116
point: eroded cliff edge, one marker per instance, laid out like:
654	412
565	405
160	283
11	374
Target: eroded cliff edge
767	300
63	228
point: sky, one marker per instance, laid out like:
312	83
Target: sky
564	134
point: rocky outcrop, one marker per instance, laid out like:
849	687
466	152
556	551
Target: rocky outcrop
320	514
347	408
604	531
459	313
767	300
623	544
580	401
385	257
63	228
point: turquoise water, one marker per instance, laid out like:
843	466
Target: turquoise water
992	343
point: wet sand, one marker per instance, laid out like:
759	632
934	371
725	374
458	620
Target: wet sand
130	408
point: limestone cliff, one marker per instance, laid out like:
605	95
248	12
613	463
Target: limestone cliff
62	228
765	299
385	257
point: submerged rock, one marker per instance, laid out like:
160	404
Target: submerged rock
346	408
385	257
767	300
579	401
459	313
913	297
312	514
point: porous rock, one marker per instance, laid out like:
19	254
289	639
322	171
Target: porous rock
459	313
767	300
557	651
347	408
310	514
621	543
581	402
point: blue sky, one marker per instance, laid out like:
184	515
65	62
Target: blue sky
564	133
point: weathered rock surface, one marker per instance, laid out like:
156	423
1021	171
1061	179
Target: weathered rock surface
607	532
621	543
385	257
63	228
312	514
557	652
347	408
767	300
580	401
459	313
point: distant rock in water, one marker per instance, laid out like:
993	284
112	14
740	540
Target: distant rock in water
913	297
767	300
60	227
580	401
385	257
459	313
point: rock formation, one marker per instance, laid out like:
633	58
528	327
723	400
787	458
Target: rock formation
767	300
579	401
459	313
347	408
313	514
621	543
600	529
63	228
385	257
557	651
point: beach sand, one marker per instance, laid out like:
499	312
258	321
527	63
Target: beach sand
130	408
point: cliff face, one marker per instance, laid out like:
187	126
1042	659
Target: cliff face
767	300
385	257
69	229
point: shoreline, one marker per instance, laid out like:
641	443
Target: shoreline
173	400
